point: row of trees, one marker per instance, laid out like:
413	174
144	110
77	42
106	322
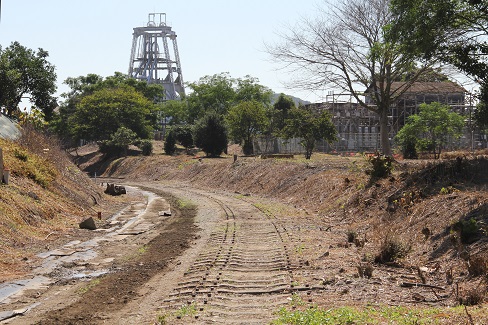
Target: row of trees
351	45
222	108
117	111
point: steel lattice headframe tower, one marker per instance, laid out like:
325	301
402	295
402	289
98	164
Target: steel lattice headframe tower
151	60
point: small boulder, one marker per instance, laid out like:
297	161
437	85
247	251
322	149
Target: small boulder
88	224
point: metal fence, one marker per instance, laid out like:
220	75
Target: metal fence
358	142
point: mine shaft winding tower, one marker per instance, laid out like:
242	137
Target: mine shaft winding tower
151	59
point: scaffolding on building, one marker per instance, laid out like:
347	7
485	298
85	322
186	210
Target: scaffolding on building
358	128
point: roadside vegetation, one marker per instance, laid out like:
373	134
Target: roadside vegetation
46	196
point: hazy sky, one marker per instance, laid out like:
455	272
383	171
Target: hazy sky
214	36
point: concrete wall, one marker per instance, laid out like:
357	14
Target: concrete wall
8	128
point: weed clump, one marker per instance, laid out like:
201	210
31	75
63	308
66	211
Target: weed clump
469	230
365	270
472	296
351	236
478	265
391	250
381	166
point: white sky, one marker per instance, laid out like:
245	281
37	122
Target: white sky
214	36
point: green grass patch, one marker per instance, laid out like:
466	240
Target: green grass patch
186	310
142	249
185	204
27	164
89	286
370	315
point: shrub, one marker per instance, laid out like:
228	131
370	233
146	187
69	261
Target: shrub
478	265
146	146
107	147
469	230
392	249
210	134
184	136
170	143
365	270
119	143
381	166
409	151
351	236
21	155
472	297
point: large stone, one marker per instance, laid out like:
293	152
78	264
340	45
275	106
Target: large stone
88	224
114	190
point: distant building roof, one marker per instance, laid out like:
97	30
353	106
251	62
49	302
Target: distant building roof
427	87
431	87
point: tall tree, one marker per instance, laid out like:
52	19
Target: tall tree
84	86
453	31
248	89
210	93
24	72
99	115
345	49
246	120
281	107
220	92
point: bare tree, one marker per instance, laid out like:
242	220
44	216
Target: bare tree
344	48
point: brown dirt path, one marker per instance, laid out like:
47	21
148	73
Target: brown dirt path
237	261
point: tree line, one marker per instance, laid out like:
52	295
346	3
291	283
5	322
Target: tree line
350	45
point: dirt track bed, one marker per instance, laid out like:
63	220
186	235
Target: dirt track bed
244	256
244	272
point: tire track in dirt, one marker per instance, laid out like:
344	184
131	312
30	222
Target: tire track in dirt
243	273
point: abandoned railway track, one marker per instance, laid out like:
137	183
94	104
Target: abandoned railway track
242	274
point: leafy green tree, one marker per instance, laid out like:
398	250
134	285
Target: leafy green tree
431	128
27	72
481	112
246	120
210	93
453	31
102	113
220	92
345	48
407	139
281	107
175	112
248	89
170	143
309	126
210	134
145	145
84	86
122	138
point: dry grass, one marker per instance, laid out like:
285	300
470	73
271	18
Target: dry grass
46	196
